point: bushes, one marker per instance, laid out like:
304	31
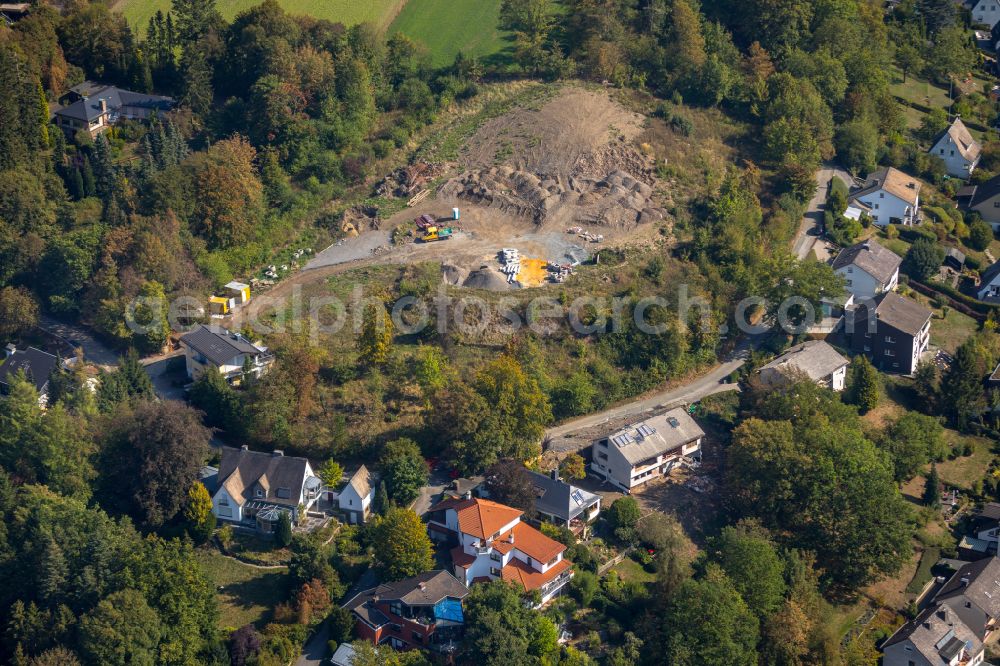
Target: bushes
980	235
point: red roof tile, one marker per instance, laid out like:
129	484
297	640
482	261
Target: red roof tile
518	572
460	558
483	518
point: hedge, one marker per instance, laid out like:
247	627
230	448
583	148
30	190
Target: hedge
962	302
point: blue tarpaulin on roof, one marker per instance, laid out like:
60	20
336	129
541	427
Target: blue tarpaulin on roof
449	609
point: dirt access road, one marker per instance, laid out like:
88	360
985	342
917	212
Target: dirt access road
573	435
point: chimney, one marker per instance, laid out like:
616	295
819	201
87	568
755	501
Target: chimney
245	448
554	474
422	585
510	538
964	580
277	453
9	350
104	106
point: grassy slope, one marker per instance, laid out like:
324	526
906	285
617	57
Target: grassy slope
349	12
248	594
446	27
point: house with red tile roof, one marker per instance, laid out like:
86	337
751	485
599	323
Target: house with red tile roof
490	542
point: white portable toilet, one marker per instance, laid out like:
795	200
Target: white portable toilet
454	213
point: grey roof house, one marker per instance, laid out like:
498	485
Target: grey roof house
562	503
814	359
936	636
973	593
647	449
893	332
228	352
253	488
36	365
984	199
424	611
868	268
95	107
989	284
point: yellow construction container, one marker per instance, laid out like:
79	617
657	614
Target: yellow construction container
238	291
218	304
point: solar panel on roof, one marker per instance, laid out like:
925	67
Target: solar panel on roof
645	430
577	497
622	440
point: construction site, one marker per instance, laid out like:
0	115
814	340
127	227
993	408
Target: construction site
533	193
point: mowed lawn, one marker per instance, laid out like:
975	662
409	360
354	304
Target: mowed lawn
446	27
348	12
246	594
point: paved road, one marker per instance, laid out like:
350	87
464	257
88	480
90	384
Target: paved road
708	384
316	649
811	223
94	350
168	385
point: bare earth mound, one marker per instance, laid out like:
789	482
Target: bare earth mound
569	163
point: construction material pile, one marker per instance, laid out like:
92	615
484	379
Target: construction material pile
510	260
408	180
559	272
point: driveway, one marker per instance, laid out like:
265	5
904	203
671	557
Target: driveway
94	350
812	222
710	383
317	649
431	492
168	384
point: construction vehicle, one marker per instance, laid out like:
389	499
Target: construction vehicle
436	234
424	221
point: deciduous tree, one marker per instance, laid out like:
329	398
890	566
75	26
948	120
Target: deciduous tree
404	469
401	545
151	456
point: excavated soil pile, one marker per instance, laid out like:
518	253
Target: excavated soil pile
616	200
486	278
569	163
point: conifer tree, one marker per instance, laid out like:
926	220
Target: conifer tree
375	342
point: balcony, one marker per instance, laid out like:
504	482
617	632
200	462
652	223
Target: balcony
556	582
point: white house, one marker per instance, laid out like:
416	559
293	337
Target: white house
355	500
989	284
228	352
868	269
253	488
493	543
957	149
936	637
986	12
889	196
651	448
984	199
814	359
